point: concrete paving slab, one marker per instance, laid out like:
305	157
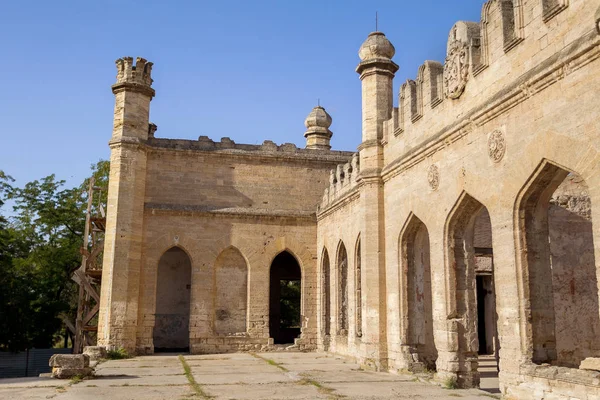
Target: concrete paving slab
279	391
249	362
150	371
77	392
233	369
31	382
136	380
244	378
227	356
29	393
356	376
334	366
400	390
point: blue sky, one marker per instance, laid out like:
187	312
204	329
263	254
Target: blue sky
249	70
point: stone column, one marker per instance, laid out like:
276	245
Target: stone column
376	73
125	210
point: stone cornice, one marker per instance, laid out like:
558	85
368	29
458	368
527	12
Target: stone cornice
574	56
254	152
342	202
377	65
304	217
133	87
369	143
127	142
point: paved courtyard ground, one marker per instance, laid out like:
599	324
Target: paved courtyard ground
233	376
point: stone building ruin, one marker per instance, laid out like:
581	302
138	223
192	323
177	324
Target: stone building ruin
462	227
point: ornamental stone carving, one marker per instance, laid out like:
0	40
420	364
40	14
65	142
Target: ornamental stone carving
496	146
433	177
456	69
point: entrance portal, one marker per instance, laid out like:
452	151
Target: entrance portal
172	317
284	299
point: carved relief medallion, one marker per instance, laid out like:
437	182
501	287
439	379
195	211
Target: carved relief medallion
496	146
433	177
456	69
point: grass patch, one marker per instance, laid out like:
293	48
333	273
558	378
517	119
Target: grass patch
76	379
188	374
270	362
451	383
454	395
117	354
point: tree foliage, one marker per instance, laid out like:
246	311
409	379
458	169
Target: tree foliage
40	248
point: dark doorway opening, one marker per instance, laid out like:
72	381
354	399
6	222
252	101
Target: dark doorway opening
172	318
285	299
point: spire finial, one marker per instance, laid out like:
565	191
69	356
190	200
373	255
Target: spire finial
319	102
376	22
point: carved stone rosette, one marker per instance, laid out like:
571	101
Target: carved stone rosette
456	69
433	177
496	146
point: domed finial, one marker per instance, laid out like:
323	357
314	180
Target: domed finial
317	132
376	46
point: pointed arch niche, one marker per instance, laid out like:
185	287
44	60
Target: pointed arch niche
172	315
416	296
558	265
342	289
231	294
326	292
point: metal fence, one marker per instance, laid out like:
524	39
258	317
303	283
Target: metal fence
27	363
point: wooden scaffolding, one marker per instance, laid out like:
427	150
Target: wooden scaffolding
89	275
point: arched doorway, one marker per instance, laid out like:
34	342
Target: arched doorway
172	315
285	299
472	298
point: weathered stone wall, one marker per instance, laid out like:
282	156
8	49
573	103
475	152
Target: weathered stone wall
232	210
231	300
520	99
574	281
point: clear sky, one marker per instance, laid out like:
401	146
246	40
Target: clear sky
250	70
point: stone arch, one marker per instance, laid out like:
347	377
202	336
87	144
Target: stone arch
463	294
342	289
172	309
231	292
285	298
325	292
556	261
358	312
416	296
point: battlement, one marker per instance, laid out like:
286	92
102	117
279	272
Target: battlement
267	148
512	40
140	73
342	180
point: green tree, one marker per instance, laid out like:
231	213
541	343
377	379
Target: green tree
40	248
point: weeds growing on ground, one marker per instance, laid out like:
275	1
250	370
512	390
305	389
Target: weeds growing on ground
117	354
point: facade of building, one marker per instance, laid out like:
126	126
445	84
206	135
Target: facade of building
462	227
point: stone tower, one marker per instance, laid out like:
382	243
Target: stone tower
376	71
125	210
317	132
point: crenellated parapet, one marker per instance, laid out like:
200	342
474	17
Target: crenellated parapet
133	77
482	60
342	180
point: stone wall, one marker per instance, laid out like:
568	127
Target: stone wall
517	100
232	210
